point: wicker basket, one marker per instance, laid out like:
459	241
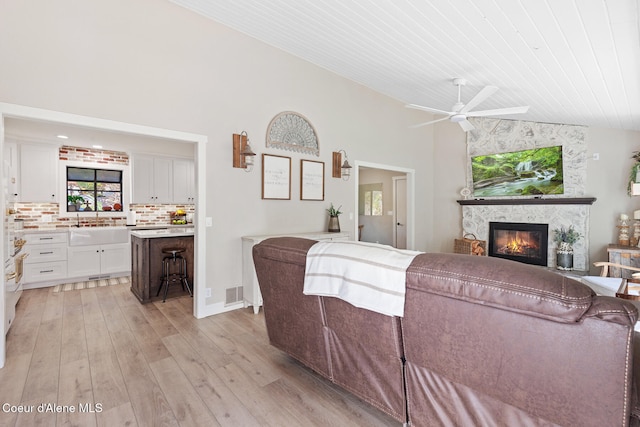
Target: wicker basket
470	245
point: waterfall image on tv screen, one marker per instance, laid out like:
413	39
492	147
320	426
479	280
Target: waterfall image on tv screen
534	172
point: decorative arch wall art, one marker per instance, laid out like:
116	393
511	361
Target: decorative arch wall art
292	131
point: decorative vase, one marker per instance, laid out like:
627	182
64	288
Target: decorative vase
564	256
334	224
623	231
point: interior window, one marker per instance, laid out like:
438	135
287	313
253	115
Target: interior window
370	199
91	189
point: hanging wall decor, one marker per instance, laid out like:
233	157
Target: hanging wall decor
276	177
292	131
311	180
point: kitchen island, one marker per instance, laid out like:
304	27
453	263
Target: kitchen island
146	261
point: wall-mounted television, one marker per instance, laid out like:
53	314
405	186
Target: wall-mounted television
533	172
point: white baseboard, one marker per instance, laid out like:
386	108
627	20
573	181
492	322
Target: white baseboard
220	307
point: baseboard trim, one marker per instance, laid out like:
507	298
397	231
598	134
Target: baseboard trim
220	307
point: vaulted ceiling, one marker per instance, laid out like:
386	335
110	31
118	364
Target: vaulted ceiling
571	61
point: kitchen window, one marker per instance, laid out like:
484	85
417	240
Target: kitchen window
93	190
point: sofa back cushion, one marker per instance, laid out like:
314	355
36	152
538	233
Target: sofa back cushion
505	284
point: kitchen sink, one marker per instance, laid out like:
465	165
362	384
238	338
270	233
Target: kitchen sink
84	236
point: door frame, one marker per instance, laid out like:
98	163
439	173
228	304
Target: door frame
31	113
395	180
410	174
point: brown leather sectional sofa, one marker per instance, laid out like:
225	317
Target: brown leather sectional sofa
483	342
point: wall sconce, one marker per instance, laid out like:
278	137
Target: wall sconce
340	169
242	153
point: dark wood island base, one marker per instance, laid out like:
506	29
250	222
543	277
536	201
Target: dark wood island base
146	264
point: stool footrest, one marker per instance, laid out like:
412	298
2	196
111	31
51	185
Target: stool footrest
169	276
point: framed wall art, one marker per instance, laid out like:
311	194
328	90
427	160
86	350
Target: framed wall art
311	180
276	177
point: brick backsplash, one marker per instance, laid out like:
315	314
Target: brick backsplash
151	215
91	155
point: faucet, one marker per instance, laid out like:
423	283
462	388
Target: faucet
78	220
97	219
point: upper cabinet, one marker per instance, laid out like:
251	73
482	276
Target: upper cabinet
38	174
152	179
183	181
160	180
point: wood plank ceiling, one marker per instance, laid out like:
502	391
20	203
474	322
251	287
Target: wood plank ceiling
572	61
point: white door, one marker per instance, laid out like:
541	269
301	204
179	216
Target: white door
400	212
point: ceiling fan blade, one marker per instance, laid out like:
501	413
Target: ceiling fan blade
429	123
429	109
466	125
486	92
499	111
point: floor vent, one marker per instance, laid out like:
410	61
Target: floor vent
234	295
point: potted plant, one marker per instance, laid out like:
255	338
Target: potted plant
74	203
334	222
634	173
565	238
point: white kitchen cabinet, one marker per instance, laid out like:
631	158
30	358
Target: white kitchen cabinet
47	257
183	181
12	170
38	173
98	260
152	179
250	288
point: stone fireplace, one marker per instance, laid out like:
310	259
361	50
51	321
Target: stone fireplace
554	211
523	242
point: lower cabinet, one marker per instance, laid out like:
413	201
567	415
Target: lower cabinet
623	255
46	257
50	260
97	260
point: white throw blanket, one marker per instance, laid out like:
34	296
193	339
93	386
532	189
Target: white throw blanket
366	275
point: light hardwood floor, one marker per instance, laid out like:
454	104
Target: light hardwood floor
119	363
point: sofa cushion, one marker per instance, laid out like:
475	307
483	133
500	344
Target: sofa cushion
501	283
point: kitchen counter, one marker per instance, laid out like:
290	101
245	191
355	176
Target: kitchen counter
46	229
163	232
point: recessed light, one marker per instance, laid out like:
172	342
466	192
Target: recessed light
97	146
63	136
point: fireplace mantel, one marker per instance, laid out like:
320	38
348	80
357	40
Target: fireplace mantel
534	201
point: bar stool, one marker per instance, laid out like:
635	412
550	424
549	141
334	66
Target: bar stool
174	259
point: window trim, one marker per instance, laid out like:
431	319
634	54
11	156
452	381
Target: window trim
62	184
96	172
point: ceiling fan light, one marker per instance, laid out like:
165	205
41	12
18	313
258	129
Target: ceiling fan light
457	118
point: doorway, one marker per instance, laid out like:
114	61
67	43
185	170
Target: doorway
384	199
100	125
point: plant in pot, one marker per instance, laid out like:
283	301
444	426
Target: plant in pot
565	238
74	203
334	222
634	173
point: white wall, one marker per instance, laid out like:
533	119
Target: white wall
154	63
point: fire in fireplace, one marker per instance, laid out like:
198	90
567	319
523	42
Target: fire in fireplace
523	242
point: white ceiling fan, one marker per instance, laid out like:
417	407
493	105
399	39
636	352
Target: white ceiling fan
460	112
